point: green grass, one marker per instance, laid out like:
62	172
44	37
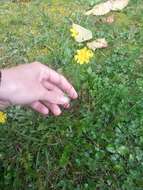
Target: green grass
98	143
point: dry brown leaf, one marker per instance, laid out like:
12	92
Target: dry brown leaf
97	44
100	9
82	33
118	4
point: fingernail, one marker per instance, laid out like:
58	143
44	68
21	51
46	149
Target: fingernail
75	95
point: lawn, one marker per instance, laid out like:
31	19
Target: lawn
98	143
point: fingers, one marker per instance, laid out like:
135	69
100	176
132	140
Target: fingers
61	82
55	109
52	87
66	106
49	86
39	107
44	108
53	97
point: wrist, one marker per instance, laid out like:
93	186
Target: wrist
2	87
3	101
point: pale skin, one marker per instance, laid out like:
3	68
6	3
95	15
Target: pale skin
36	86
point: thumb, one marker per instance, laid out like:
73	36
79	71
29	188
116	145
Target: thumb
54	97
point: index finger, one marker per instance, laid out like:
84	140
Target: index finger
61	82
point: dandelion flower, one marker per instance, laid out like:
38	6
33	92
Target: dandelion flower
74	32
3	117
83	55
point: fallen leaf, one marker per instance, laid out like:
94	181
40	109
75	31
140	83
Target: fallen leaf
106	7
100	9
118	4
97	44
82	33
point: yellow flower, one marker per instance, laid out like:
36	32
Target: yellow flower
83	55
74	32
3	117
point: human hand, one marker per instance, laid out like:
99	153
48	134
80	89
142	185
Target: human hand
37	86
